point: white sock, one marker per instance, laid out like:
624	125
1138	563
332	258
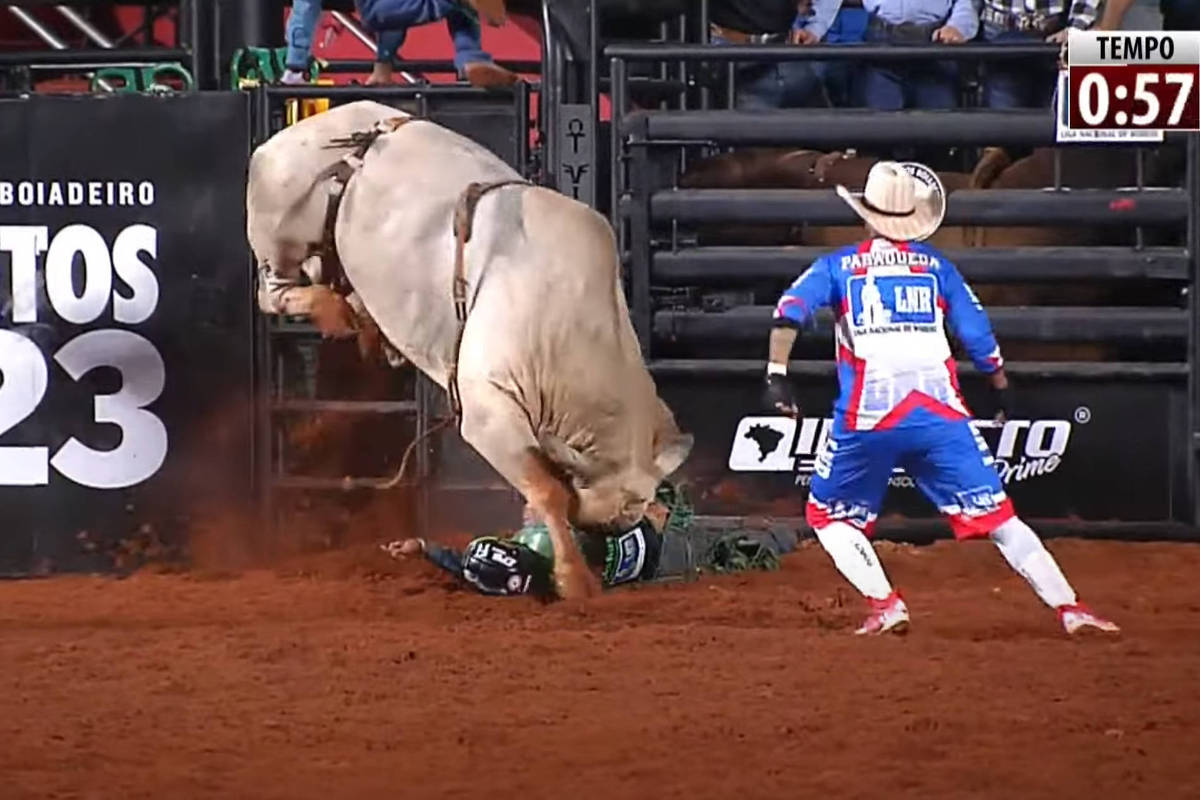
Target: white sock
855	558
1027	555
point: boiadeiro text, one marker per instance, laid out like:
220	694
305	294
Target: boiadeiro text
117	279
76	194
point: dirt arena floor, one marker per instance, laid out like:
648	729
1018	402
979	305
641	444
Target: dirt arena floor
347	675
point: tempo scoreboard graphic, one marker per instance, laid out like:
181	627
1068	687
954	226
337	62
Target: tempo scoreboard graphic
1129	85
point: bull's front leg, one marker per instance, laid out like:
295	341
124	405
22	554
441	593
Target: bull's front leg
327	309
498	428
550	499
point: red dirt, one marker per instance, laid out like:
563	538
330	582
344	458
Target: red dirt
347	675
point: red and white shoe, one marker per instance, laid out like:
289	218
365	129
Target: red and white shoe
1078	617
888	615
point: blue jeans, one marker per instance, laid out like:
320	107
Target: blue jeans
300	26
303	21
390	20
891	87
1017	84
841	78
786	84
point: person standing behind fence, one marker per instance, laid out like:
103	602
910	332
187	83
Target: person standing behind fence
841	78
1173	15
786	84
1026	83
390	20
301	24
922	84
893	298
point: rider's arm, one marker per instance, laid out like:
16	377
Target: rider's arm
797	305
447	558
969	321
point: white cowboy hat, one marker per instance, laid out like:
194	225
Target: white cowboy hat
905	202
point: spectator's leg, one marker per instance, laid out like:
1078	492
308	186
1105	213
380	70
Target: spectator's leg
801	85
392	15
838	78
882	84
934	86
1041	87
388	44
300	26
470	59
883	88
1005	86
759	87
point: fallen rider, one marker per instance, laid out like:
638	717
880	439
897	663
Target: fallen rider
661	546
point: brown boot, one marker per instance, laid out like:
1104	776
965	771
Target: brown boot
488	75
492	11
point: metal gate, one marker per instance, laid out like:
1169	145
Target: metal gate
297	374
1128	427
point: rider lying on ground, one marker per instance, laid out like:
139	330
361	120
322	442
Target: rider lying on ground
660	546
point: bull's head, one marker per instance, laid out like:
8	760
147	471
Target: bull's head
611	495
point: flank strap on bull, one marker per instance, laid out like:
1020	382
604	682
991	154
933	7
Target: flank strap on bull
464	218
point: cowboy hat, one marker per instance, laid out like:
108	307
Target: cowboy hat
904	202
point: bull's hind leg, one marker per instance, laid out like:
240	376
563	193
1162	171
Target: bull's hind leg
498	428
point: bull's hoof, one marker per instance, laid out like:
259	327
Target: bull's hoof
576	583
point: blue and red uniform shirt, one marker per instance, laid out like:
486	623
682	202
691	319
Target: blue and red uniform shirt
892	302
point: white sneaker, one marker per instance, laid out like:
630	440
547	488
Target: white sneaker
293	77
1077	617
888	615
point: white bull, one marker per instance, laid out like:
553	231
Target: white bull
554	391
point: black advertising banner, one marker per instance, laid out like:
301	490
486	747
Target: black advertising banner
1088	450
125	345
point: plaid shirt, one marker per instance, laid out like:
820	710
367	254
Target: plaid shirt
1082	13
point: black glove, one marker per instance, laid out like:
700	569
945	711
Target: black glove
778	395
1003	402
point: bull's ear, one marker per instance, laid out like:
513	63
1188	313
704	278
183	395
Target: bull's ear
670	455
671	446
571	460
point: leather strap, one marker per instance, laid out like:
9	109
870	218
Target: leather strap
464	218
341	171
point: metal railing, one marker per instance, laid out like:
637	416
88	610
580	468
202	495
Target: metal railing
653	219
107	52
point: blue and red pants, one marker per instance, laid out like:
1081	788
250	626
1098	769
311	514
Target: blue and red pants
947	460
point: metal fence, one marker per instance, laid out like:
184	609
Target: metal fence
288	352
656	223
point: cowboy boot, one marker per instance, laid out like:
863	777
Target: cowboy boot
488	75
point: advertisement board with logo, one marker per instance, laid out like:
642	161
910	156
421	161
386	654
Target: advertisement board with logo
1089	450
125	340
